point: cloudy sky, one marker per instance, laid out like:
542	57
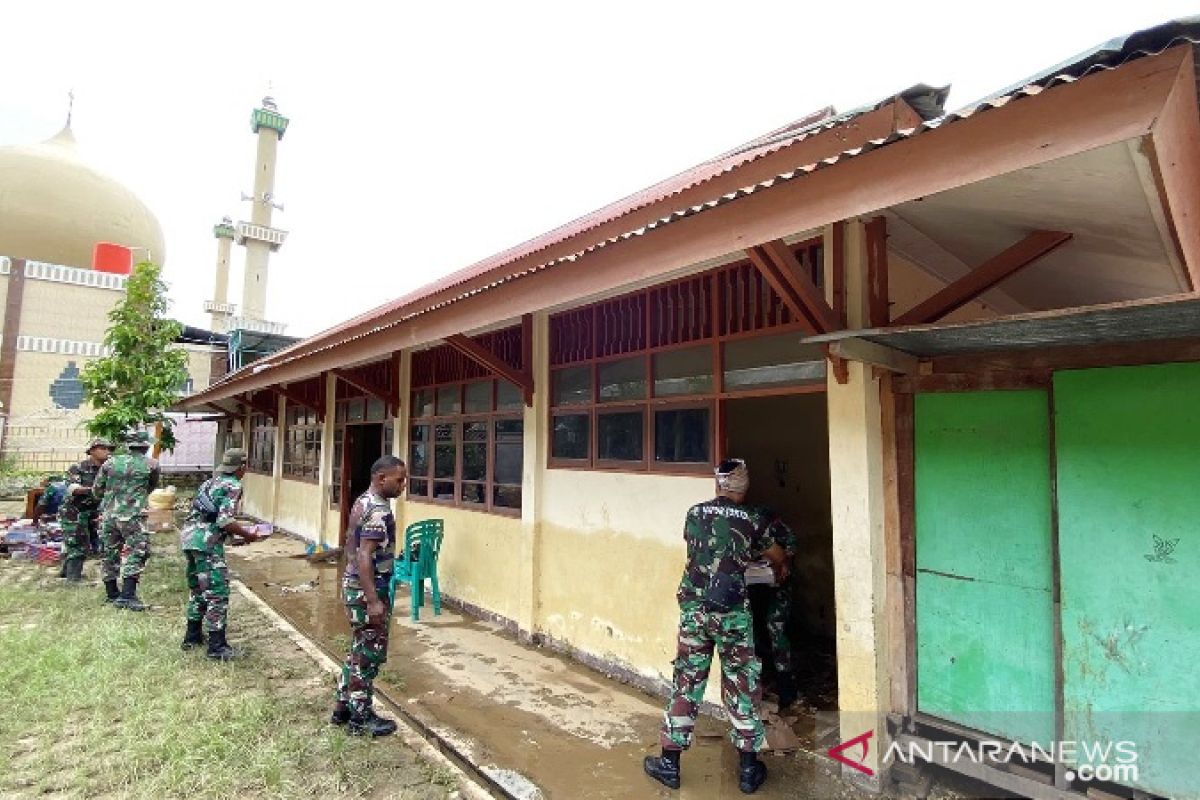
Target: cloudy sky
427	136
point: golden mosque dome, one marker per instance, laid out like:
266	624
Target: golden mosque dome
55	208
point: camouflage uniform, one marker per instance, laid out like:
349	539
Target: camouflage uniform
124	483
203	545
779	607
722	538
371	518
79	512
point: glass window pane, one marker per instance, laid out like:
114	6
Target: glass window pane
681	435
475	431
418	487
474	493
339	412
475	462
621	380
772	361
510	450
444	452
508	396
619	436
422	403
506	497
571	433
572	386
682	372
443	490
376	410
479	397
418	450
449	400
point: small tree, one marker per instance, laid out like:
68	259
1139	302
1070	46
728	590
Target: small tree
139	380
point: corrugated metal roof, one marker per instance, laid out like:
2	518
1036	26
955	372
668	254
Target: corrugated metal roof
924	99
1156	319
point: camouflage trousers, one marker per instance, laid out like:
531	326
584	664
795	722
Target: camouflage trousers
208	583
731	635
779	613
368	649
78	526
126	548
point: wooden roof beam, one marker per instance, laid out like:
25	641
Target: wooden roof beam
254	404
798	280
489	360
984	277
363	385
300	400
774	276
877	355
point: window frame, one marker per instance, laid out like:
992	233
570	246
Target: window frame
299	422
261	435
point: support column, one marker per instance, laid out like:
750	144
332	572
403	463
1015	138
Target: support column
8	343
277	469
325	480
535	442
859	557
400	428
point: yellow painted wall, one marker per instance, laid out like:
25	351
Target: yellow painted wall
32	376
480	554
611	555
66	311
258	495
199	367
299	508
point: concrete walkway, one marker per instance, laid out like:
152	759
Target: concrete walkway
532	721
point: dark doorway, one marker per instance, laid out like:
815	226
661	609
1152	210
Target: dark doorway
363	446
785	442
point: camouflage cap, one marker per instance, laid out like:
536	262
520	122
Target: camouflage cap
137	439
233	460
99	441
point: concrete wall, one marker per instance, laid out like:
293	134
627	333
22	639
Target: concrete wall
66	311
480	555
610	558
258	495
298	508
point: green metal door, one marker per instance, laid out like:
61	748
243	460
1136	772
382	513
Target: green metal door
1128	452
984	612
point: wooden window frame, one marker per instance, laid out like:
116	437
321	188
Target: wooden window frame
460	420
341	413
296	434
236	427
259	430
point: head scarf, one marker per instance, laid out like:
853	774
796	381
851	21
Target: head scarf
735	478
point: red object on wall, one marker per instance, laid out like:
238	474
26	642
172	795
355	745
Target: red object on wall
108	257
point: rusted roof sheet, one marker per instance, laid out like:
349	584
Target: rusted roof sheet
925	100
1156	319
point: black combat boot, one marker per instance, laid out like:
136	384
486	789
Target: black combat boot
785	687
111	591
73	570
219	649
128	599
340	715
751	773
664	768
370	724
194	636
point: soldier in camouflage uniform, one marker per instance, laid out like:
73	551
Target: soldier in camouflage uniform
80	510
210	522
722	536
366	591
779	612
124	483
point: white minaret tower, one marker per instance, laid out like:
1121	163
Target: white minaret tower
257	235
220	309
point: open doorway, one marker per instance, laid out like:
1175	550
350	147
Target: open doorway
363	447
785	442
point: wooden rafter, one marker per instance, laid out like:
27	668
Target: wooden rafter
384	393
878	311
779	265
766	267
300	400
984	277
876	355
489	360
250	401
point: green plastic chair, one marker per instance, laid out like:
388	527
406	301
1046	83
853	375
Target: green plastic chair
427	536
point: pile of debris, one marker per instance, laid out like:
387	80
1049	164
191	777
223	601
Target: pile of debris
25	539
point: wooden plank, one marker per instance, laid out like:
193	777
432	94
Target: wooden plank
837	365
298	400
984	277
875	354
893	549
813	299
382	393
1100	109
486	358
770	271
878	308
259	406
1009	781
906	492
837	244
1175	156
1125	354
993	381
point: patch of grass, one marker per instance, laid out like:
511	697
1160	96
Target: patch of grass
100	701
